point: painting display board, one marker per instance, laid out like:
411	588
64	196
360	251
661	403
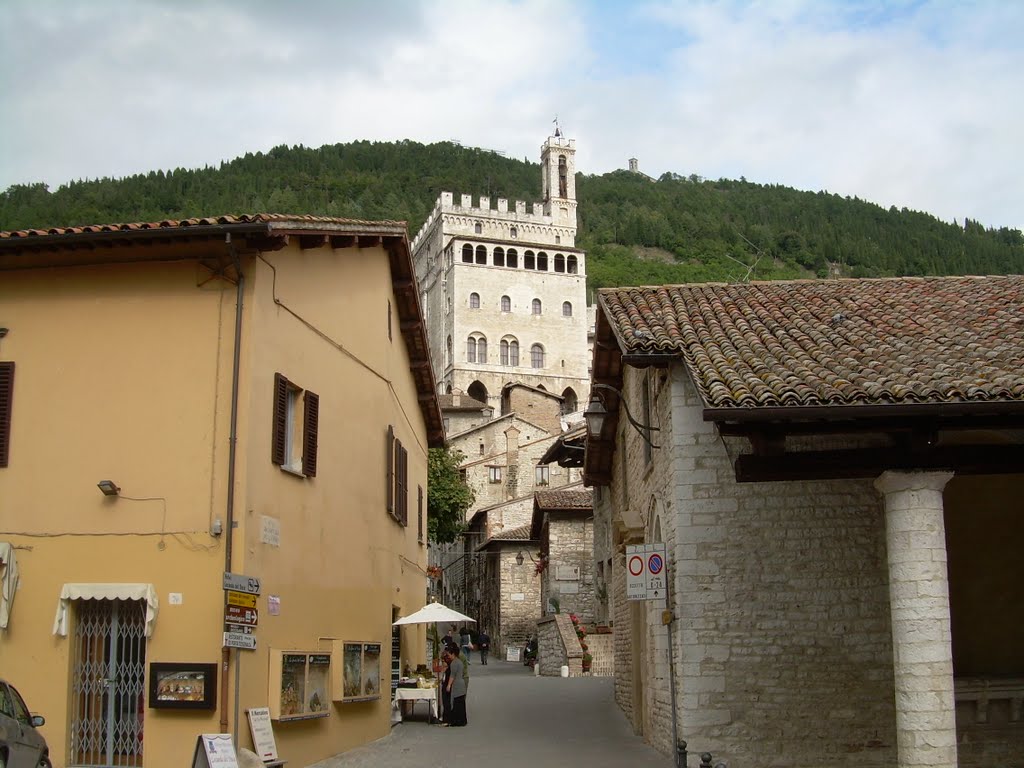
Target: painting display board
300	684
182	685
360	671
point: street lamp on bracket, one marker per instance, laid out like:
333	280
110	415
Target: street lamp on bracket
596	414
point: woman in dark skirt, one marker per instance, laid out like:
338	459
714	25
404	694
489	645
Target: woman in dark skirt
446	698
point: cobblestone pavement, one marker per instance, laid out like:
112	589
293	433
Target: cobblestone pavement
516	720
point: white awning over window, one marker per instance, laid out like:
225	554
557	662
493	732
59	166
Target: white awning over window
105	592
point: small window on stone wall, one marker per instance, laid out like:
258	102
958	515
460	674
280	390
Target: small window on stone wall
542	474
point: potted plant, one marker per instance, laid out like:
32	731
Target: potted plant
588	660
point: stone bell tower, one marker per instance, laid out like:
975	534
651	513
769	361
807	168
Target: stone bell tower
558	179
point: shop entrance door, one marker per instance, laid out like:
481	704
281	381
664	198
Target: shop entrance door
108	683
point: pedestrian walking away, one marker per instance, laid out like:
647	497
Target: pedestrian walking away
483	642
467	645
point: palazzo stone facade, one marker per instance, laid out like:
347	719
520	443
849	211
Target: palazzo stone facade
503	288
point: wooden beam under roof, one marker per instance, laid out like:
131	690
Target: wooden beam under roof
871	462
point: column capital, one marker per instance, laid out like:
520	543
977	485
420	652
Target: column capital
894	482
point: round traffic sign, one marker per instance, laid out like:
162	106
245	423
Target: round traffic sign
636	565
655	564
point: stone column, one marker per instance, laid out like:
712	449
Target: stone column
919	601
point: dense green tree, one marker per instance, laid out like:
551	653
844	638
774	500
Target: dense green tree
448	496
680	228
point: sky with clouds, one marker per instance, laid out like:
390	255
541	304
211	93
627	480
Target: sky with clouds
910	103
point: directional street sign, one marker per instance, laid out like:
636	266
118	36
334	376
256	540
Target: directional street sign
236	614
236	640
241	599
236	582
646	572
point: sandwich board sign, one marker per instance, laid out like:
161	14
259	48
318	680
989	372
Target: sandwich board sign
214	750
262	733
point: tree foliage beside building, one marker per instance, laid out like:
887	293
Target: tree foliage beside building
448	496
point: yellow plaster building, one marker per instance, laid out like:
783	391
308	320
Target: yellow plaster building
258	395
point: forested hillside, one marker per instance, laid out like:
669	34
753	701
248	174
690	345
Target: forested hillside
636	230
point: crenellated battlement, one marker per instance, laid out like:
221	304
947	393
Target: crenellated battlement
520	212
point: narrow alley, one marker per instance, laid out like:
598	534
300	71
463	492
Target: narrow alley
516	720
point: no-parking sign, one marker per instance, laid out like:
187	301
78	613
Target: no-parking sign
645	572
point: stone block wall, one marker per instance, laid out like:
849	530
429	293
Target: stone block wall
517	469
602	648
540	409
626	681
783	649
570	546
520	603
558	646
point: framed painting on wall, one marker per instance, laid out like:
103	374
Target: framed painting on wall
182	685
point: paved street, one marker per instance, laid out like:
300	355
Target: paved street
516	720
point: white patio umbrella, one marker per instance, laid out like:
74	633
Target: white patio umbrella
433	613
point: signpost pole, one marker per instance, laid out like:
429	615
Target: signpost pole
238	678
670	619
240	619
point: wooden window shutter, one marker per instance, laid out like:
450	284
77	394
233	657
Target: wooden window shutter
279	440
6	398
404	493
419	513
390	459
310	421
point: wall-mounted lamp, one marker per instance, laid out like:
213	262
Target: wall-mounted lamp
596	413
109	487
520	559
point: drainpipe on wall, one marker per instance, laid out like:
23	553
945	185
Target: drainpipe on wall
229	526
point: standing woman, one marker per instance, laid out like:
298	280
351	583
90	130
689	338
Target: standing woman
446	699
457	691
467	644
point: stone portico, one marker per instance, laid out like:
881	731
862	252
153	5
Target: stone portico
838	489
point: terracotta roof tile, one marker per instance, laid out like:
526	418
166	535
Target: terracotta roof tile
522	533
451	402
256	218
562	499
833	342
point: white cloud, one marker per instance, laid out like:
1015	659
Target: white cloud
910	104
